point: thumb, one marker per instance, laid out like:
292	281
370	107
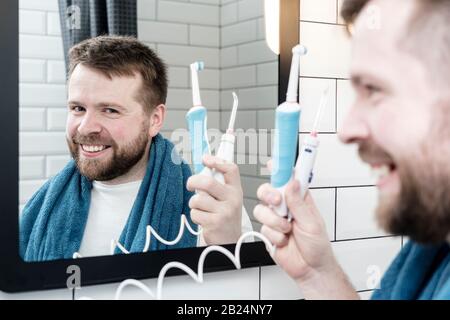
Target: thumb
293	199
303	210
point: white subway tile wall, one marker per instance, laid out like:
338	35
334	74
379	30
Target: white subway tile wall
229	36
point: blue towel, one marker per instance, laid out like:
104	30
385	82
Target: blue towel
53	221
419	272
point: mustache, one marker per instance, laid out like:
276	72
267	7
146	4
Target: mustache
96	139
373	153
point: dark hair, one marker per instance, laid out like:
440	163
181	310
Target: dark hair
350	10
124	56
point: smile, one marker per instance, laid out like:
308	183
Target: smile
93	148
384	173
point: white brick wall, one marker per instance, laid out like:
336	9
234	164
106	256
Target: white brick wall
229	36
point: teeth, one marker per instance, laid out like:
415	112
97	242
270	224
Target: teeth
93	148
381	171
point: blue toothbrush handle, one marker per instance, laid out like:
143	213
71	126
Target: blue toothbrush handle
197	124
284	150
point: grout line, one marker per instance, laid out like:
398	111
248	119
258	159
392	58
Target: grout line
259	286
156	10
189	35
337	11
336	108
326	78
248	65
258	164
324	23
187	44
335	214
239	44
345	187
44	168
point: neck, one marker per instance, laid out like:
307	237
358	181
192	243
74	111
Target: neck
137	172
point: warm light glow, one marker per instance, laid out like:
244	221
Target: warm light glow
272	19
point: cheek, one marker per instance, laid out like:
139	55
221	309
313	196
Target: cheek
122	132
385	128
71	126
400	126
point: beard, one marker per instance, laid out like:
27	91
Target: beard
421	209
123	158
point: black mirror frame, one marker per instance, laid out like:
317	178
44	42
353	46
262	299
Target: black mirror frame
17	275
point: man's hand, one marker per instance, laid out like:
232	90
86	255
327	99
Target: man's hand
217	207
303	249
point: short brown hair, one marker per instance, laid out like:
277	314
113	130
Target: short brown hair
124	56
350	10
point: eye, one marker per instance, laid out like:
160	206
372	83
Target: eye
370	89
111	111
77	109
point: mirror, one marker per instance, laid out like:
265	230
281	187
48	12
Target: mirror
95	167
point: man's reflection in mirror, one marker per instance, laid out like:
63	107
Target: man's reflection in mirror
122	176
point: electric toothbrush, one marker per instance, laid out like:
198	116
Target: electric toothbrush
197	121
197	125
308	151
287	118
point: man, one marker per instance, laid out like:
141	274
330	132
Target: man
400	122
123	176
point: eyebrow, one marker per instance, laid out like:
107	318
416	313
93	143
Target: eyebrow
357	77
99	105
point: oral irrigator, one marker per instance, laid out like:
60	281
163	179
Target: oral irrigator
226	147
308	151
197	121
287	118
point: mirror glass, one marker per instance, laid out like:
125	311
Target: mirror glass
102	157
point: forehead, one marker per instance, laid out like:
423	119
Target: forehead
89	84
378	32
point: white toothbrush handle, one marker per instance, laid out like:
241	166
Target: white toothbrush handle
226	153
305	163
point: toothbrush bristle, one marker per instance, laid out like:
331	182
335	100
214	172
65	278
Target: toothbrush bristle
200	65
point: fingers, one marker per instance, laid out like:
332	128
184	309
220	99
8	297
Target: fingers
208	185
269	195
269	218
203	201
275	237
202	218
229	170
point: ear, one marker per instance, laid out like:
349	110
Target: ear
157	120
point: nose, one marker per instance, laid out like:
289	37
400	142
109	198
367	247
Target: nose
89	124
354	127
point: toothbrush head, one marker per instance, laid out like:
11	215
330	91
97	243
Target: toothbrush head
300	50
233	113
198	65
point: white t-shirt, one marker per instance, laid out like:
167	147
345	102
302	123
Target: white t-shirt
108	213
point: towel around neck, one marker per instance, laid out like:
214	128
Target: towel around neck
53	221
